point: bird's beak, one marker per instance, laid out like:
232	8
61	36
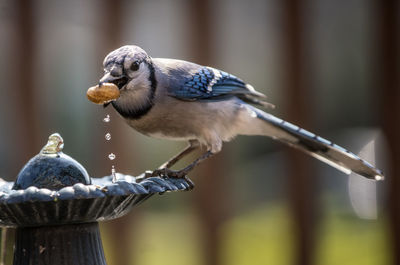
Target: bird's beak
119	81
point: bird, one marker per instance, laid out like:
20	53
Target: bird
180	100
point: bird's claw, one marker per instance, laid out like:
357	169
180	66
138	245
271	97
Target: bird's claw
165	172
169	173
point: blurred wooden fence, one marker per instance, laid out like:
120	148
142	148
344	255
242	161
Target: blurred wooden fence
386	28
302	180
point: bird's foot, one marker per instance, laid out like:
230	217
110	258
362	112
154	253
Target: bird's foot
166	172
169	173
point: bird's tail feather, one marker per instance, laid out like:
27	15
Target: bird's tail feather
318	147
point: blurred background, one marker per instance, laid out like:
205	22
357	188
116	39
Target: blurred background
331	67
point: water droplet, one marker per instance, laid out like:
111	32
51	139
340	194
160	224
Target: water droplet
112	156
54	145
107	118
114	176
108	136
378	177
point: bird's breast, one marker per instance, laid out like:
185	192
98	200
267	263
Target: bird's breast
159	126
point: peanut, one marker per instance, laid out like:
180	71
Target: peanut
104	93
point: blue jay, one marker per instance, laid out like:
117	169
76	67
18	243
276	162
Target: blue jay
179	100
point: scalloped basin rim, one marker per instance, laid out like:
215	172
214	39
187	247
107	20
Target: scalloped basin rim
100	187
100	201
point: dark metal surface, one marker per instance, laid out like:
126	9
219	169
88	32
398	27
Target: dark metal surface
100	201
61	245
51	172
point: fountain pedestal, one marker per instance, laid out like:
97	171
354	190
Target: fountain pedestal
78	244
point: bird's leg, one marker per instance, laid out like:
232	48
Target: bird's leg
193	145
183	172
164	170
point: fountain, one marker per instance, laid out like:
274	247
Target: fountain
55	207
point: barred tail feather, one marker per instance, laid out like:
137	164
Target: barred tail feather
318	147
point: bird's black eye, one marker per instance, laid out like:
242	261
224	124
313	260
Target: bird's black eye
135	66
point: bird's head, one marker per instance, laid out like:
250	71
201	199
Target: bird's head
126	67
132	70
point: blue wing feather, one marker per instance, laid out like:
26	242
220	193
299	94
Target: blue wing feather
211	84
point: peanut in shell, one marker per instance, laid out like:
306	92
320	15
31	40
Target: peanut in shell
103	93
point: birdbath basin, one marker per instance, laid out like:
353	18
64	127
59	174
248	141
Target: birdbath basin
56	207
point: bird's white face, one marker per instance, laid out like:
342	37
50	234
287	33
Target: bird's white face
127	68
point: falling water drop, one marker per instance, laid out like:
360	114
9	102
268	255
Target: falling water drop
111	156
107	118
114	176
